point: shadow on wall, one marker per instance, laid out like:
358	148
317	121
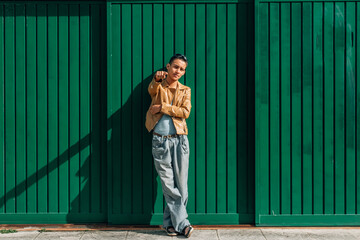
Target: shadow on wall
133	178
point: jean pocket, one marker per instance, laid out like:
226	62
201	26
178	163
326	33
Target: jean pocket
157	141
158	148
184	144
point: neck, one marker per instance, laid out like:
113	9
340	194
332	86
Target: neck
172	83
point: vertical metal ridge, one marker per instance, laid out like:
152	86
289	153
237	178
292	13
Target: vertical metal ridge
268	107
139	86
334	157
142	99
4	114
103	126
25	107
345	110
163	32
121	84
37	113
323	105
227	109
280	107
79	99
58	106
312	108
248	112
291	111
131	100
15	75
68	107
302	106
90	131
205	57
15	103
153	176
237	6
174	29
47	105
5	111
345	126
195	120
184	7
22	185
356	104
104	72
216	108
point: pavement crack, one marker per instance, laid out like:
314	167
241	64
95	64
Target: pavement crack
127	233
351	233
82	235
263	233
217	234
37	235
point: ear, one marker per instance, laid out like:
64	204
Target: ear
167	66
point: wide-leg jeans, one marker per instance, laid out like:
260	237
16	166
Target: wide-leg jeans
171	159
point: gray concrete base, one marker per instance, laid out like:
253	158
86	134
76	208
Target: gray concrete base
219	234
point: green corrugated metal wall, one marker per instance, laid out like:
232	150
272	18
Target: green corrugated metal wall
307	95
52	139
217	38
64	119
68	113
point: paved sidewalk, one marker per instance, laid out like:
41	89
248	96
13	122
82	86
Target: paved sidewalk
213	234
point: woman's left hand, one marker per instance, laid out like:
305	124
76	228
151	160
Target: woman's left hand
155	109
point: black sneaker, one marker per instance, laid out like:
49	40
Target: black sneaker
170	230
187	231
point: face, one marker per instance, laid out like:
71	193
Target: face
177	69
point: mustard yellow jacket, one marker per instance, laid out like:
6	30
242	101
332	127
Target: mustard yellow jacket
179	111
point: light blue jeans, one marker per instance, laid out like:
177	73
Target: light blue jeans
171	159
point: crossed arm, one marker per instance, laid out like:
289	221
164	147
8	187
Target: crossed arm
182	111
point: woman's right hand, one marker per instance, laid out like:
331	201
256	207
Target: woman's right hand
160	75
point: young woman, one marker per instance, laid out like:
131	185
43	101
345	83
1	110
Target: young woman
170	106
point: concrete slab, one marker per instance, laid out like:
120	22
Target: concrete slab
208	234
330	234
148	235
152	235
240	234
311	234
20	235
282	234
354	232
60	235
90	235
203	235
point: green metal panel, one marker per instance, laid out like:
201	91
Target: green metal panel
217	38
52	125
307	113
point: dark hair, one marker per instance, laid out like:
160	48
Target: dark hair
178	56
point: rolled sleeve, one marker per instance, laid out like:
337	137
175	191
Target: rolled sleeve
153	87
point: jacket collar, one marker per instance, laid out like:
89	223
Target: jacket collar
181	86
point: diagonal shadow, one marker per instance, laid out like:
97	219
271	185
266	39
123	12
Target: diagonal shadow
114	124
